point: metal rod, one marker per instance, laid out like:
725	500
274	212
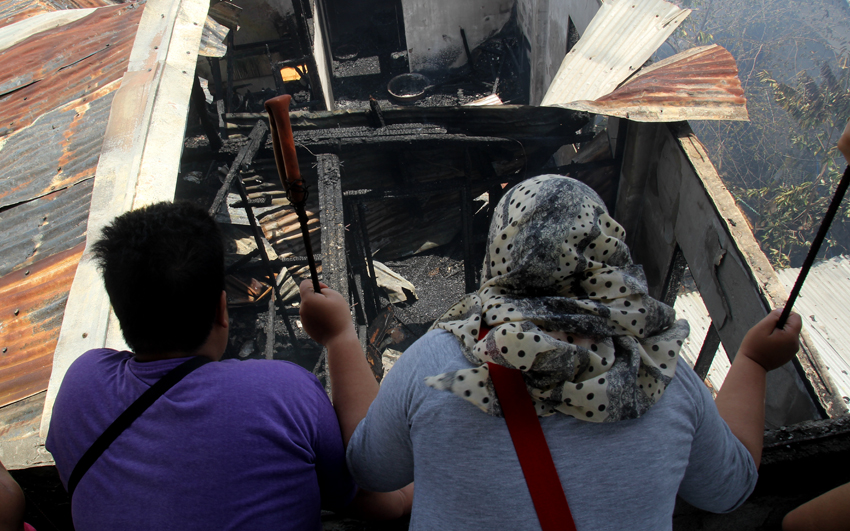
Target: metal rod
308	247
289	172
816	244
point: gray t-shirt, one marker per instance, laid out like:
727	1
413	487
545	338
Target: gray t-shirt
622	475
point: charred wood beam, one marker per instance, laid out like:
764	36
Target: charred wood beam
247	154
270	319
229	94
574	167
370	265
334	269
673	280
466	49
300	9
243	158
255	230
397	142
200	103
375	114
235	266
707	352
251	49
423	189
494	120
469	268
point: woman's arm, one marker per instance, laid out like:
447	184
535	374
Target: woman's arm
741	398
327	319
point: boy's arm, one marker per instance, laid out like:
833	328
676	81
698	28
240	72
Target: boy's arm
741	398
327	319
827	512
12	503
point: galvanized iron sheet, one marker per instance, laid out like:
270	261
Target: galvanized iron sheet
32	301
823	306
43	227
697	84
618	41
12	11
65	64
59	150
56	92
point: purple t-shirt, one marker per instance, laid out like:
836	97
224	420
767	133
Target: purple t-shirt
234	445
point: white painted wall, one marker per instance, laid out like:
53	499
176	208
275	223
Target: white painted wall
433	28
544	24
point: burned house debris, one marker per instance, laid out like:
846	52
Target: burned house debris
96	100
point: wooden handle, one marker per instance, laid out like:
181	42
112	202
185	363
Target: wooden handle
284	148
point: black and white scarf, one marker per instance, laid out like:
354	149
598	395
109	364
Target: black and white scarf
556	262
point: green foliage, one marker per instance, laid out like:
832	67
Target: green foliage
781	165
787	213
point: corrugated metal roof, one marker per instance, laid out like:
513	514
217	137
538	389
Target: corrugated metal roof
619	40
823	306
56	92
43	227
12	11
697	84
11	35
690	307
32	302
59	150
64	64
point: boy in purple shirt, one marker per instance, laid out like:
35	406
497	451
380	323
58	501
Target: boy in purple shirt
234	444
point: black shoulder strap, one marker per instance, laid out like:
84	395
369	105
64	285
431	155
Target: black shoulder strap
128	416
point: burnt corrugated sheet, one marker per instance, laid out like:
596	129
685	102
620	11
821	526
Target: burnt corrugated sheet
41	228
61	149
32	301
12	11
56	92
697	84
55	67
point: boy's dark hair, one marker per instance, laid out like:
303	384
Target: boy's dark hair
163	266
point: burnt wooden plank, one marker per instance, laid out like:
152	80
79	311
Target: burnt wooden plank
334	268
495	120
735	279
647	203
244	157
670	195
707	352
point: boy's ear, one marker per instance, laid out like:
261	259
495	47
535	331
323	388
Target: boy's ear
221	318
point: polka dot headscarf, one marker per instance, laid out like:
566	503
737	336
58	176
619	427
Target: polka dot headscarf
556	262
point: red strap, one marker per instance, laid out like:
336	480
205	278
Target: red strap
532	450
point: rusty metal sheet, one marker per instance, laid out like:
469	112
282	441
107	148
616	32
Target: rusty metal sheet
56	93
43	227
12	11
621	37
64	64
59	150
697	84
32	302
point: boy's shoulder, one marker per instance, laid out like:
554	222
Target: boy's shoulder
269	376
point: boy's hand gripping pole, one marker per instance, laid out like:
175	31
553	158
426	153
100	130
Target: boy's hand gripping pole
290	175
